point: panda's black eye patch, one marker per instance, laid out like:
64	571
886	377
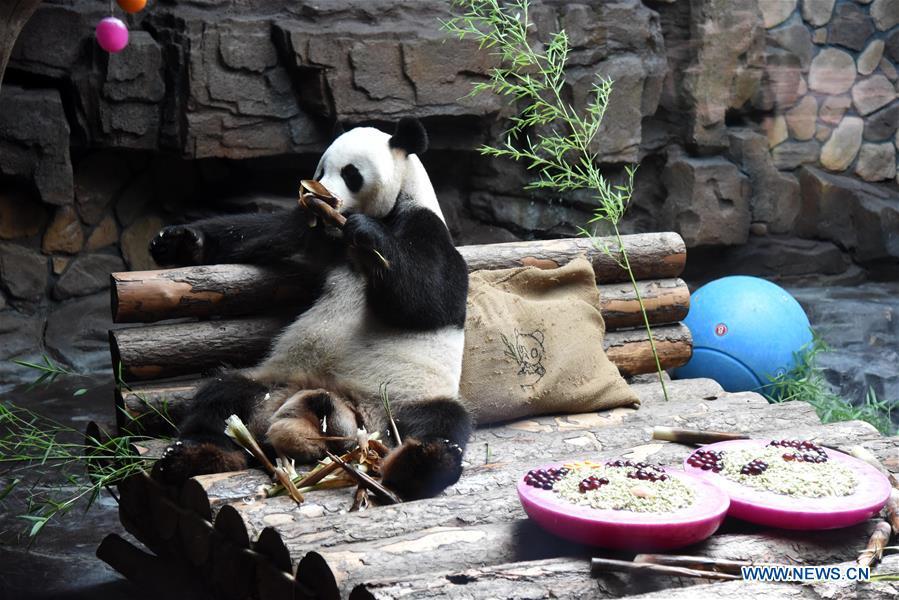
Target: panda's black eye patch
352	178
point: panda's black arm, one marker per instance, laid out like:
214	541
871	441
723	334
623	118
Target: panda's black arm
242	238
425	286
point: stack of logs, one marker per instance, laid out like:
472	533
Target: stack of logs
217	537
228	315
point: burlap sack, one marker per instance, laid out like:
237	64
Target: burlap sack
533	345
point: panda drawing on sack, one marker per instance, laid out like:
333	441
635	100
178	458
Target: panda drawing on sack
398	319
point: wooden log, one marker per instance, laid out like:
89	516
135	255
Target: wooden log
652	255
234	290
207	291
160	351
569	579
150	573
461	547
220	290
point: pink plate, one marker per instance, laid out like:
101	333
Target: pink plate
626	530
789	512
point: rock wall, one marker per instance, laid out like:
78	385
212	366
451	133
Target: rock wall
222	105
837	103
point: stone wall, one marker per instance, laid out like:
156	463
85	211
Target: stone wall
837	103
223	105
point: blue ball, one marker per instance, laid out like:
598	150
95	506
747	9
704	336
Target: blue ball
745	331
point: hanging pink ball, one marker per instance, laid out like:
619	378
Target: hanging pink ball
112	35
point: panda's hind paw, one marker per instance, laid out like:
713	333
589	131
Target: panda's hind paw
184	459
178	245
422	468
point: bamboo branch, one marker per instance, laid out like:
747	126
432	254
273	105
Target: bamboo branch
874	551
694	436
697	563
623	566
363	479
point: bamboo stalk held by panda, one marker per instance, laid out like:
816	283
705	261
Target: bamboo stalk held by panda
383	494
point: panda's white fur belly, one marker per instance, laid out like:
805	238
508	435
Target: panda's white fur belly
341	337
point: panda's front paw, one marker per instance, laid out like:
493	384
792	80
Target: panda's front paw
185	458
178	245
363	231
422	468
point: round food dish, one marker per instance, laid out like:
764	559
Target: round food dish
839	491
626	529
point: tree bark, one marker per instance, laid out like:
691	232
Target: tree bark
652	255
233	290
207	291
13	16
228	290
160	351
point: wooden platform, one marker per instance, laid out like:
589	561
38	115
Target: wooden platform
217	538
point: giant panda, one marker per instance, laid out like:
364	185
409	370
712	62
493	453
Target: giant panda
397	321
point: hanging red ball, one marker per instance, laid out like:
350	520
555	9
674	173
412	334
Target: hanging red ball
132	6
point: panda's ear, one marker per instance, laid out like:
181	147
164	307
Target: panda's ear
410	136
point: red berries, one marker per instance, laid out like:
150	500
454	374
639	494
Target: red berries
755	467
805	451
707	460
592	483
544	478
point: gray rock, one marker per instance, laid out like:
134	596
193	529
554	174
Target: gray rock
775	12
774	197
888	69
839	151
858	216
833	108
54	39
707	201
868	60
776	131
135	73
135	241
876	162
20	337
817	12
861	325
64	233
23	272
885	14
802	118
882	124
872	93
783	75
98	180
786	260
78	332
34	141
794	37
850	26
790	155
892	45
87	274
544	218
21	215
832	71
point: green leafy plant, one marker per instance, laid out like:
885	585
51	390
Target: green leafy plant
548	134
806	382
64	466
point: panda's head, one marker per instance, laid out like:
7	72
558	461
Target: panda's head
367	168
